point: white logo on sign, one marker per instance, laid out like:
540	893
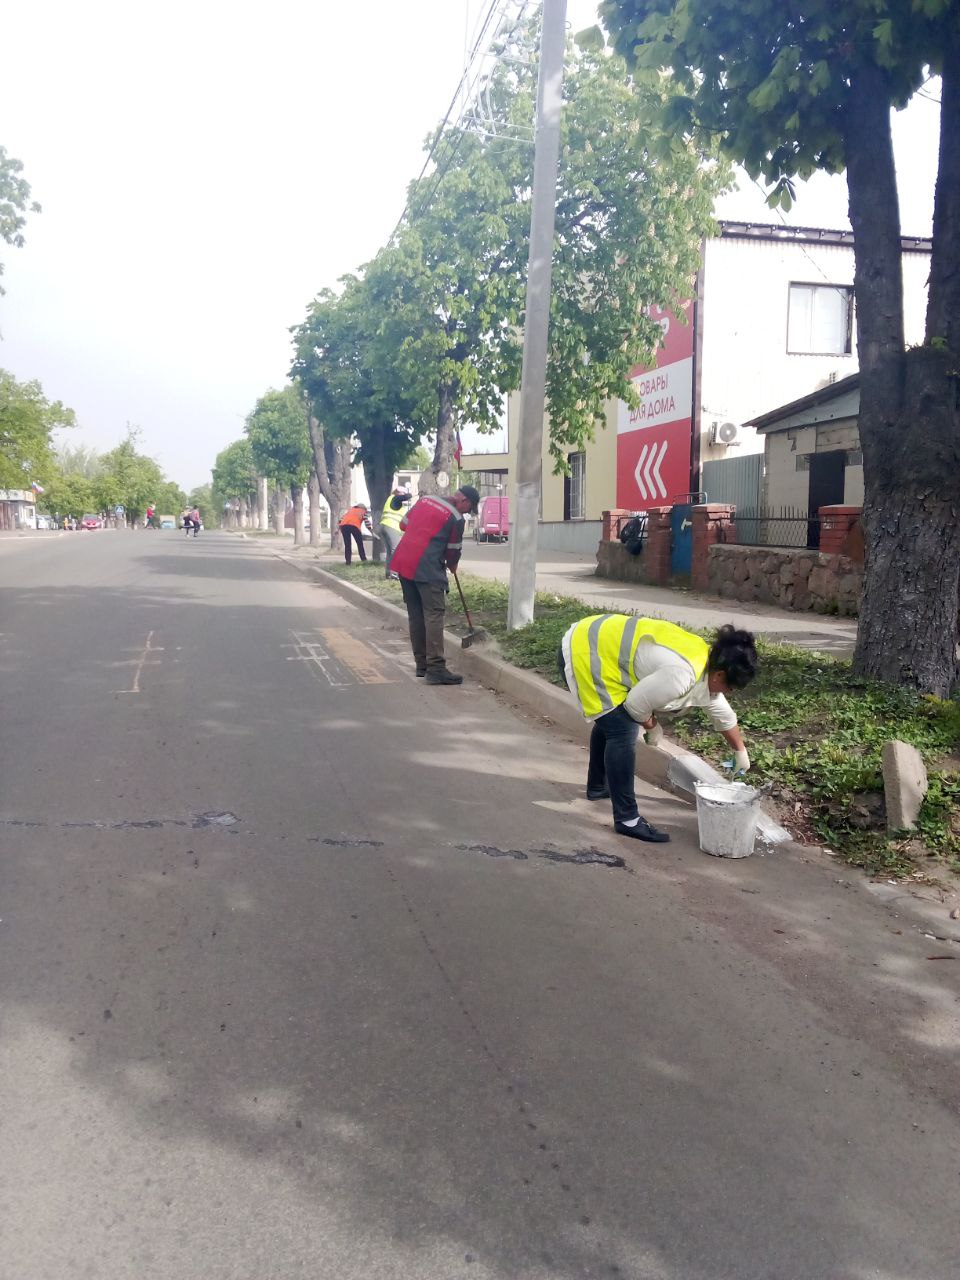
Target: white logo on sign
648	469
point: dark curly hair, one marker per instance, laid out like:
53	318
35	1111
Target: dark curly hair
734	654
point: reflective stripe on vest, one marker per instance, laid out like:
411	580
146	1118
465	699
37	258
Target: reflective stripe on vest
602	653
390	518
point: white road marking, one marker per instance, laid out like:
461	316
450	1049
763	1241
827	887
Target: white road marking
145	654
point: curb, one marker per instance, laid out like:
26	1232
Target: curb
547	701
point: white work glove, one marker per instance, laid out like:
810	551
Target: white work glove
741	761
654	735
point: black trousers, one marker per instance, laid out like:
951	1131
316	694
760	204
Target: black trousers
350	533
613	755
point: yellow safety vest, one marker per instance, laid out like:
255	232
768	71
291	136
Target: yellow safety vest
391	518
602	651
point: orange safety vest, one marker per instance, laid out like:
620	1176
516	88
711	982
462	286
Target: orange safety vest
355	517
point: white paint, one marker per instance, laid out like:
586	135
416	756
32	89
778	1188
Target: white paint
666	395
142	661
647	475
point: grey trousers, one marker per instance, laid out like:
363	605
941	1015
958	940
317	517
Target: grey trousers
426	603
391	540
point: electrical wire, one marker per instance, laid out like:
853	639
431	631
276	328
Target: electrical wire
440	135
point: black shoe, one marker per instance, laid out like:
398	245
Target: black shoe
443	676
598	793
421	671
642	831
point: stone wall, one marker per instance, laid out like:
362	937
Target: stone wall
793	579
614	561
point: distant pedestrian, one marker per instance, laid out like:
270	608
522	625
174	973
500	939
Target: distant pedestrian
351	527
431	544
390	530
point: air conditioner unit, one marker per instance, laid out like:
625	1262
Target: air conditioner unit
725	433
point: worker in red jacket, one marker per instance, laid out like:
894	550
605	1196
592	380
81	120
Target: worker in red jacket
431	544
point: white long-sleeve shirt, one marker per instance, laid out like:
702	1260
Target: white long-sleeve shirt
665	682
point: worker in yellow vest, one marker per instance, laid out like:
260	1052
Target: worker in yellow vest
393	512
625	671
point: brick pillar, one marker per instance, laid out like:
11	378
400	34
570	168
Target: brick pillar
656	553
712	522
609	518
835	526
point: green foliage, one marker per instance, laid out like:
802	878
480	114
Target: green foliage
15	202
70	495
27	420
278	436
235	472
202	499
347	363
430	335
771	80
129	479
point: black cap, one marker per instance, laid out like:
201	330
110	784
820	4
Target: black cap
470	492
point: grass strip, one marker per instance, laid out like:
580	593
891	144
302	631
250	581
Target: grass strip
811	726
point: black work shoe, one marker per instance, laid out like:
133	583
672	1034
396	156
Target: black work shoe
598	793
642	831
443	676
421	671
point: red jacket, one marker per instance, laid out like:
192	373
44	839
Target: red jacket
434	531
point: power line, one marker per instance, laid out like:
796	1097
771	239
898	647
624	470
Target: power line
494	5
455	135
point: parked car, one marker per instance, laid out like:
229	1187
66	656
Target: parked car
91	522
493	520
44	522
168	522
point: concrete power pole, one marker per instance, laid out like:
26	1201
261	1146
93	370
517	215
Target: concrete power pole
526	499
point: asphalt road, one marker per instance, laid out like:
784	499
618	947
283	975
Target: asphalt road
297	978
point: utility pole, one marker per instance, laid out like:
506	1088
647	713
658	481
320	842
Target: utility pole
526	499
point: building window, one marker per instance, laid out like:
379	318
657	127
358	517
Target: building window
577	478
820	319
803	461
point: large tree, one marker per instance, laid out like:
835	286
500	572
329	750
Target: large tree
15	202
632	209
27	421
129	479
235	478
280	441
792	88
347	363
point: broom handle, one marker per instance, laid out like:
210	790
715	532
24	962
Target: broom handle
456	578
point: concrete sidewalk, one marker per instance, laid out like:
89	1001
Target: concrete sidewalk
566	574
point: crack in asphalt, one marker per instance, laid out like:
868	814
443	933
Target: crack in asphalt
217	818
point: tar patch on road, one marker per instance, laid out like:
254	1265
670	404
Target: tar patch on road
585	857
218	818
491	851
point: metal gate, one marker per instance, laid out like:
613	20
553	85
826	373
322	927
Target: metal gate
681	533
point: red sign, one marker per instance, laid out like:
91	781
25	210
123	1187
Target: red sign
653	440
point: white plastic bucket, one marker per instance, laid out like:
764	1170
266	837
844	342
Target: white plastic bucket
727	815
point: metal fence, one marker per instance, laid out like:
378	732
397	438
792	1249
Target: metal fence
784	527
734	480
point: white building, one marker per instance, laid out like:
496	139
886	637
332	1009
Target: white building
771	320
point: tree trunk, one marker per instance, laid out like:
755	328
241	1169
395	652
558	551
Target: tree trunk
443	459
908	423
244	512
279	508
263	504
379	484
296	493
313	490
331	459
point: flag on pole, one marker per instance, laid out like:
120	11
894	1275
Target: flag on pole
458	450
37	488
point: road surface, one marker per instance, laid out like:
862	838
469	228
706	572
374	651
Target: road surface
298	977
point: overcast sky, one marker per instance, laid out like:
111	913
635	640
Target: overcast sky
204	168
